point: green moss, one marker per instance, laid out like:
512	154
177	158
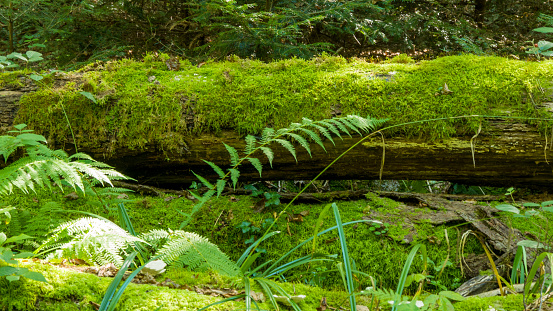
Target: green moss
70	290
219	219
507	303
248	95
11	79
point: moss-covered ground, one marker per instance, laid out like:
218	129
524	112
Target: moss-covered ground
222	221
143	104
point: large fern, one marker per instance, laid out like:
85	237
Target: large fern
41	166
95	240
100	241
297	133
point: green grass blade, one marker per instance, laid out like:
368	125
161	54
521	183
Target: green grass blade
113	285
519	265
345	255
405	271
240	260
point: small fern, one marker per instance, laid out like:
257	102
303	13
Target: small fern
299	133
42	166
193	251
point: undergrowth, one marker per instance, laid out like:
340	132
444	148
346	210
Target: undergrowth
220	219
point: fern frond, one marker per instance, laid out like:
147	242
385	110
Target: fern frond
348	124
257	164
204	181
339	125
250	144
216	168
324	131
288	145
302	141
267	135
331	127
234	157
234	174
316	138
40	170
220	186
197	253
97	241
269	154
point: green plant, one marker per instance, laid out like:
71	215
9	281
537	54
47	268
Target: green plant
542	48
378	228
401	59
7	256
296	132
41	165
100	241
520	273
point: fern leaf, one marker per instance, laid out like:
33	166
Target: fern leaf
234	174
216	168
302	141
349	124
204	181
282	131
316	138
288	145
330	127
322	130
340	126
257	164
94	240
250	144
197	253
234	157
269	154
220	186
267	135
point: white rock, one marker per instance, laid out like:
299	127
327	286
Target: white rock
155	267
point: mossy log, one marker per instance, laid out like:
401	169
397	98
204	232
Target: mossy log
158	129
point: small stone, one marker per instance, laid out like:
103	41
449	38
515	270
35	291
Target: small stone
155	267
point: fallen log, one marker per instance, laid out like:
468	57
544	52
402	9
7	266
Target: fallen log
504	153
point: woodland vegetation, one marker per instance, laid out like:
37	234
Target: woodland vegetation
276	155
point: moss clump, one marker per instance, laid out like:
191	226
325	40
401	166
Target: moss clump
11	79
70	290
508	303
144	105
